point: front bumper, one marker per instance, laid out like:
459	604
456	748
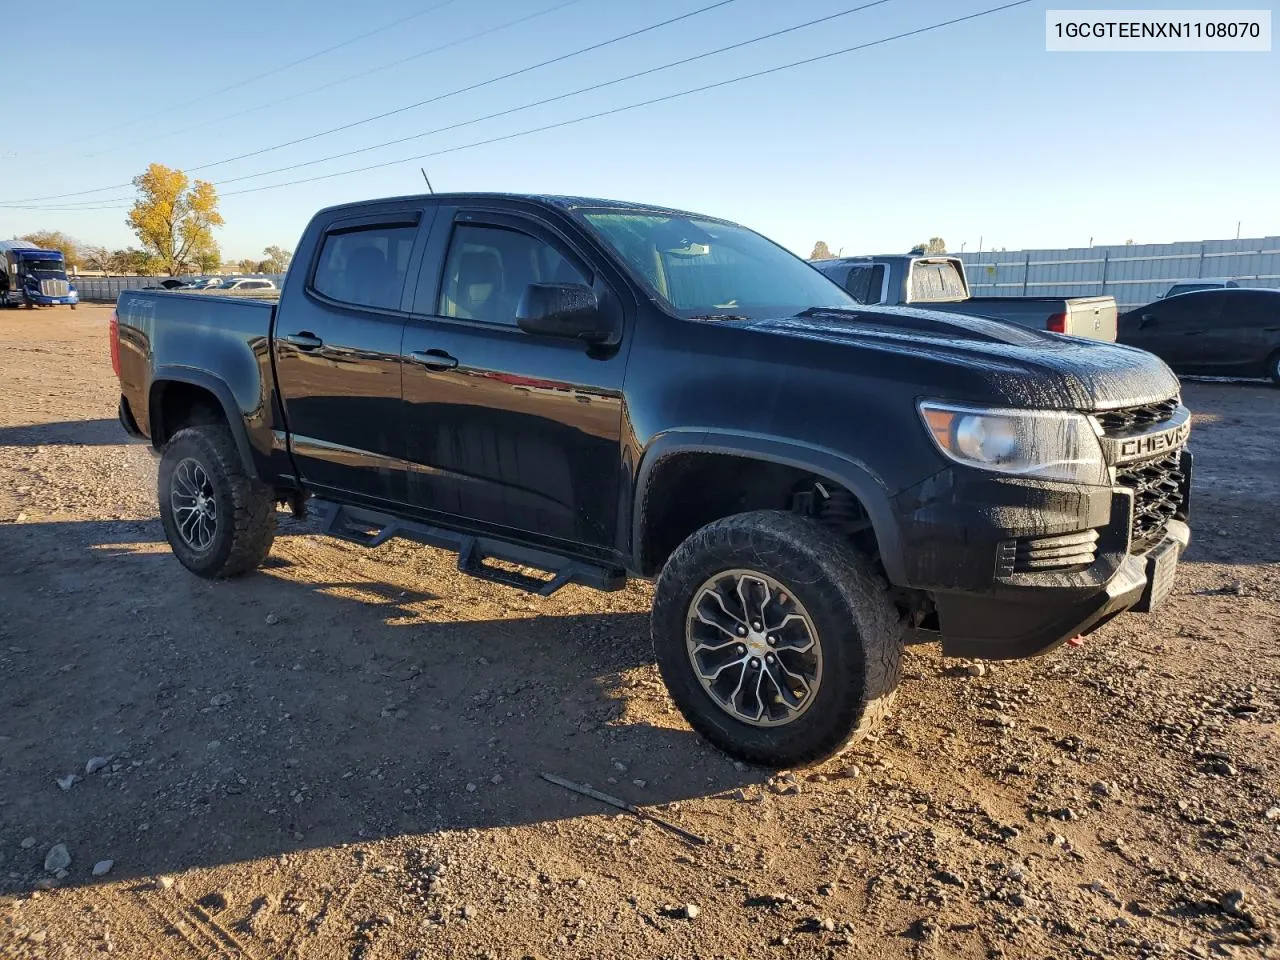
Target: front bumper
1033	622
963	531
42	301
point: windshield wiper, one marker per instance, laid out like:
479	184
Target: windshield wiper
720	316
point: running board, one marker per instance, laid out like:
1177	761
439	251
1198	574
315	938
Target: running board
369	528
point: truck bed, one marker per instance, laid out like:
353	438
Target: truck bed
1093	317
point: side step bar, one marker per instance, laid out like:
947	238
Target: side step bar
369	528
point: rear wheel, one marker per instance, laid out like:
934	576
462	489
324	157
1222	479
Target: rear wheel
219	521
775	638
1273	368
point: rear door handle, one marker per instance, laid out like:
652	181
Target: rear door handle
434	359
304	340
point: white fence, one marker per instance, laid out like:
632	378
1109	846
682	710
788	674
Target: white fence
1132	273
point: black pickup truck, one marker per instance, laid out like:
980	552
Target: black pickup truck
567	390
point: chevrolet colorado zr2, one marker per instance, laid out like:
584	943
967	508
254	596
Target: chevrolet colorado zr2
590	390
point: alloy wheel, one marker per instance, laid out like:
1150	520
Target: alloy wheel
754	648
195	508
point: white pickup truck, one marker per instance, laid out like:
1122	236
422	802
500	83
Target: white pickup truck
939	283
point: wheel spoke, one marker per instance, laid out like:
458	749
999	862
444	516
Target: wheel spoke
715	595
713	677
787	693
758	616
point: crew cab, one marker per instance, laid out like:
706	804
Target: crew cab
593	390
940	283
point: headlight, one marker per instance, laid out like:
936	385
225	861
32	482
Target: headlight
1044	444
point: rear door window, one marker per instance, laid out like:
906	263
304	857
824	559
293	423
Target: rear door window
858	283
365	266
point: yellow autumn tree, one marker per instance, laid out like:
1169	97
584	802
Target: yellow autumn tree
174	217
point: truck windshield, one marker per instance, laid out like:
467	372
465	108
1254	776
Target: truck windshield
39	267
706	268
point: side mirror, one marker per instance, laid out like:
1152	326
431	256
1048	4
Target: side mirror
1146	320
566	310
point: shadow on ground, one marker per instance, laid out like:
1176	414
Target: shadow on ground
66	433
252	717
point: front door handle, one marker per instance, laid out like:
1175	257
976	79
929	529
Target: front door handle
304	340
434	359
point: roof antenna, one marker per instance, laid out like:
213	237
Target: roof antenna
428	179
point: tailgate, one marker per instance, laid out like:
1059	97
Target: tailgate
1093	317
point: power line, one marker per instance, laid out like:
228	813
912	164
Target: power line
563	96
413	106
537	103
643	103
269	73
354	76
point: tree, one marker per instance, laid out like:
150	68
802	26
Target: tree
277	260
56	240
172	216
133	261
821	251
96	258
247	265
936	246
208	257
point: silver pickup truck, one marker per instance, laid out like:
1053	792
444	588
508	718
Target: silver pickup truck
939	283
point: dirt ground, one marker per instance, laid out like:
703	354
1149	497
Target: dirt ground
340	756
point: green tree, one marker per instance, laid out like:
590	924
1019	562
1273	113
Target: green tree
132	261
173	217
934	247
56	240
207	257
277	260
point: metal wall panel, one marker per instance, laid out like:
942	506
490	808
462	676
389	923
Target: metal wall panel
1132	273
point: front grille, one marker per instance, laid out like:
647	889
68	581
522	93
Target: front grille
1157	495
54	288
1131	418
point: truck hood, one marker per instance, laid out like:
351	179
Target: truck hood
1006	363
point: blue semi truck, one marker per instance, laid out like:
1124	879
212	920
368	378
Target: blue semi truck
34	277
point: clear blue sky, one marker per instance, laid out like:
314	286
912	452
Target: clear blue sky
971	131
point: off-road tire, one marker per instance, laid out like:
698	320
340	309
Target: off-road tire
860	632
246	508
1273	369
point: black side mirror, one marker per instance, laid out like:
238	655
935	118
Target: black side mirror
1146	320
570	311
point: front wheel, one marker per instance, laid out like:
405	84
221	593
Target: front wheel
219	521
775	638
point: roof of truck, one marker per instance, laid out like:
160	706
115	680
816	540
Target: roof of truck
8	245
544	199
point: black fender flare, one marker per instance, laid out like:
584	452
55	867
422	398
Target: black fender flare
854	476
175	373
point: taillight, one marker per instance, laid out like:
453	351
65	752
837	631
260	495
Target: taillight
115	343
1057	323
